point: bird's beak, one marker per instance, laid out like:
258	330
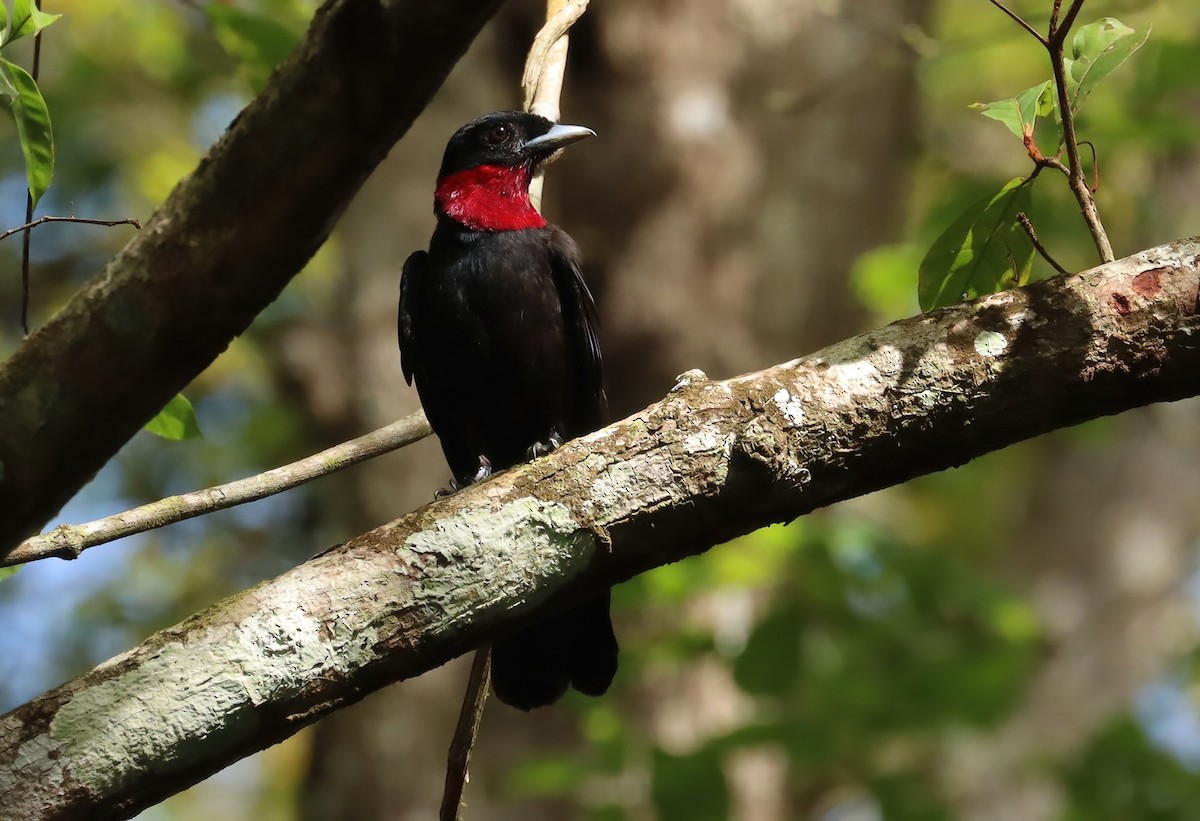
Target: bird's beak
557	137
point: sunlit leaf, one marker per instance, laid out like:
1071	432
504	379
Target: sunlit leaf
33	126
26	20
5	572
882	279
1021	112
984	251
1096	51
176	421
552	775
1014	619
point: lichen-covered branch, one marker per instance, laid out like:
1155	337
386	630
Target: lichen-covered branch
712	460
223	245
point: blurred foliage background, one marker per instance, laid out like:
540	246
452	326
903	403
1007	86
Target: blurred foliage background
1012	639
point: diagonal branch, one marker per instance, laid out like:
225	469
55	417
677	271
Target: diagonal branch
69	541
1059	31
79	220
1020	21
710	461
222	246
1077	177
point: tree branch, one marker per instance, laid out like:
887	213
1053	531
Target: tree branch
545	69
1078	180
69	541
1027	224
458	759
710	461
80	220
1059	30
222	246
1020	21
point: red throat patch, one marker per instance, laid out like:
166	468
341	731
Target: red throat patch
488	198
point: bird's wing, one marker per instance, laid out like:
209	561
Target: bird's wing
582	324
410	283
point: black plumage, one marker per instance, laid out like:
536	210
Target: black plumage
499	332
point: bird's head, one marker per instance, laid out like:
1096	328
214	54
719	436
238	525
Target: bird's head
489	162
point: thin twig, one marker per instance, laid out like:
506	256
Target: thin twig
1056	164
459	759
136	223
1020	21
25	286
1054	15
545	68
1078	182
68	541
1073	169
1037	244
1060	31
1095	165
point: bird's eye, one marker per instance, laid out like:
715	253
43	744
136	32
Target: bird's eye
498	135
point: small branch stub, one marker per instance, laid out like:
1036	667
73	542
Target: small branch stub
1027	224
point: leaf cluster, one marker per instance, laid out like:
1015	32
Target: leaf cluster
25	101
986	249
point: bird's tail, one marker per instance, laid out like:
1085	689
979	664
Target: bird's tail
576	648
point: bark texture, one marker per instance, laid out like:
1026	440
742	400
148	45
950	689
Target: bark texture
710	461
222	246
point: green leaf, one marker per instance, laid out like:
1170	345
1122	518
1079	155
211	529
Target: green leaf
26	20
5	572
690	787
258	41
770	663
176	421
33	126
1096	51
1020	112
7	87
546	776
983	252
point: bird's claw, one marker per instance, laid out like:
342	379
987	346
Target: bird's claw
553	442
484	471
443	492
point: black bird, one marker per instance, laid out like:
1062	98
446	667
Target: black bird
499	331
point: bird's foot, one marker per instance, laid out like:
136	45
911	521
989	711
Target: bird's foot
484	471
553	442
